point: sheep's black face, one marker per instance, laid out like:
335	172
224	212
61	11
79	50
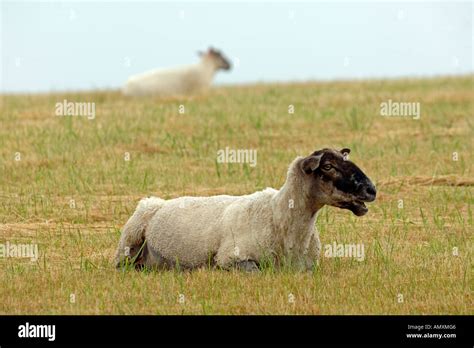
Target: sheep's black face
221	61
337	181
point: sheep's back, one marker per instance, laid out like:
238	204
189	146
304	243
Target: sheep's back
166	82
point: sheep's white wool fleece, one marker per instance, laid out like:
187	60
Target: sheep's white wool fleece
193	228
174	81
227	228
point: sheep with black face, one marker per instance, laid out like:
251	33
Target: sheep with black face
338	182
242	231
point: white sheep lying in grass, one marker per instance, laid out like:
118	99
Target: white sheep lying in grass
244	231
179	81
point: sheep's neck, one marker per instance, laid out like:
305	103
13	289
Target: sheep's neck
208	67
294	217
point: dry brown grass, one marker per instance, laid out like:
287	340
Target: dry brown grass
409	251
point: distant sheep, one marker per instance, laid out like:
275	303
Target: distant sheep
243	231
179	81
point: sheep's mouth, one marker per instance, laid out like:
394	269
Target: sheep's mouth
358	207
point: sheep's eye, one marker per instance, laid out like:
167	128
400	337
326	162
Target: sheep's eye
327	167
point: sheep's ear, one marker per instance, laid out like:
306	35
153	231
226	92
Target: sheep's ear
346	151
200	53
310	164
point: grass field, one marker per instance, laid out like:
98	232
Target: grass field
66	186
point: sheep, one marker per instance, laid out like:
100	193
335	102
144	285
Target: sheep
244	231
179	81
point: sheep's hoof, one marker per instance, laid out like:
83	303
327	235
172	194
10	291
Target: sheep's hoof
247	266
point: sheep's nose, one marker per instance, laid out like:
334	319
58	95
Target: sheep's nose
371	191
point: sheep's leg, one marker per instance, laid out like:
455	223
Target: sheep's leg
132	255
313	253
139	256
247	266
153	259
145	257
229	256
133	233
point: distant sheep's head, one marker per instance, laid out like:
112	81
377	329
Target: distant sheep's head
219	60
334	180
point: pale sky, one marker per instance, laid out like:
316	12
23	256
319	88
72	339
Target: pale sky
69	45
